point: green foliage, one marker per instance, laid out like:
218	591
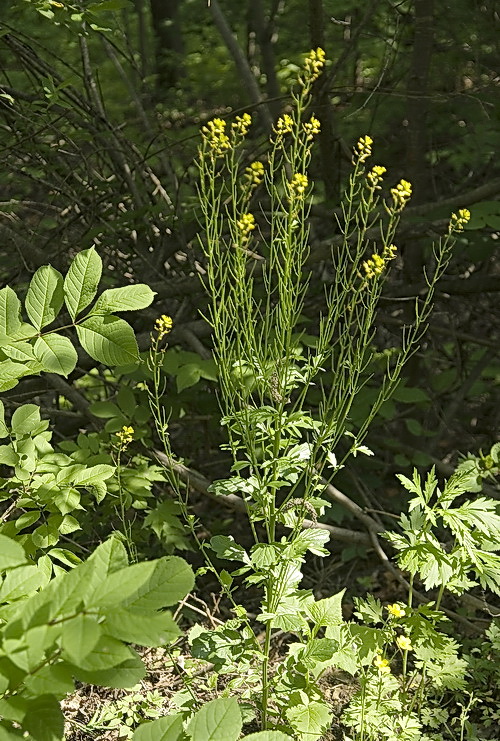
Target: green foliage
26	350
78	626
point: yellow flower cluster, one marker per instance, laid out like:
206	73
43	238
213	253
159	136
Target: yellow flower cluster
376	266
298	185
311	128
314	63
401	194
163	325
284	125
396	610
255	173
241	125
363	148
382	664
125	435
246	225
374	177
214	134
458	221
404	643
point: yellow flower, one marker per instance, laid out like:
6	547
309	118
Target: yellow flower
404	643
255	173
374	177
313	64
298	185
458	221
401	194
382	664
214	134
374	266
284	125
363	148
242	124
163	325
246	225
396	610
125	435
312	127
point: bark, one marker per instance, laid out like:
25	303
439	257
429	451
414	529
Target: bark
264	32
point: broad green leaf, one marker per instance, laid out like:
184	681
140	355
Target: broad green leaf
21	352
89	476
56	353
8	456
4	432
328	611
25	419
10	312
217	720
171	581
225	547
106	653
143	628
53	679
188	375
79	637
310	719
126	298
168	728
125	674
108	340
45	296
20	582
11	553
44	720
82	280
10	373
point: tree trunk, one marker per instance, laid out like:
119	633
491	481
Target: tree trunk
168	42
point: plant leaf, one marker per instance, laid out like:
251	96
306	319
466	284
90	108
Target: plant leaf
45	296
10	312
126	298
218	719
82	280
168	728
108	340
56	353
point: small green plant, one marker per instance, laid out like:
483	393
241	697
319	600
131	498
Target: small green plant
282	452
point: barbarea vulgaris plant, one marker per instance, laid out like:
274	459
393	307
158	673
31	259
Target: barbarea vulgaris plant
256	245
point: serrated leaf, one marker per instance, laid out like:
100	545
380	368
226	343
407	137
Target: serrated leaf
311	720
20	582
143	628
82	280
150	585
216	720
125	298
10	312
45	296
126	674
108	340
328	611
56	353
79	637
168	728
